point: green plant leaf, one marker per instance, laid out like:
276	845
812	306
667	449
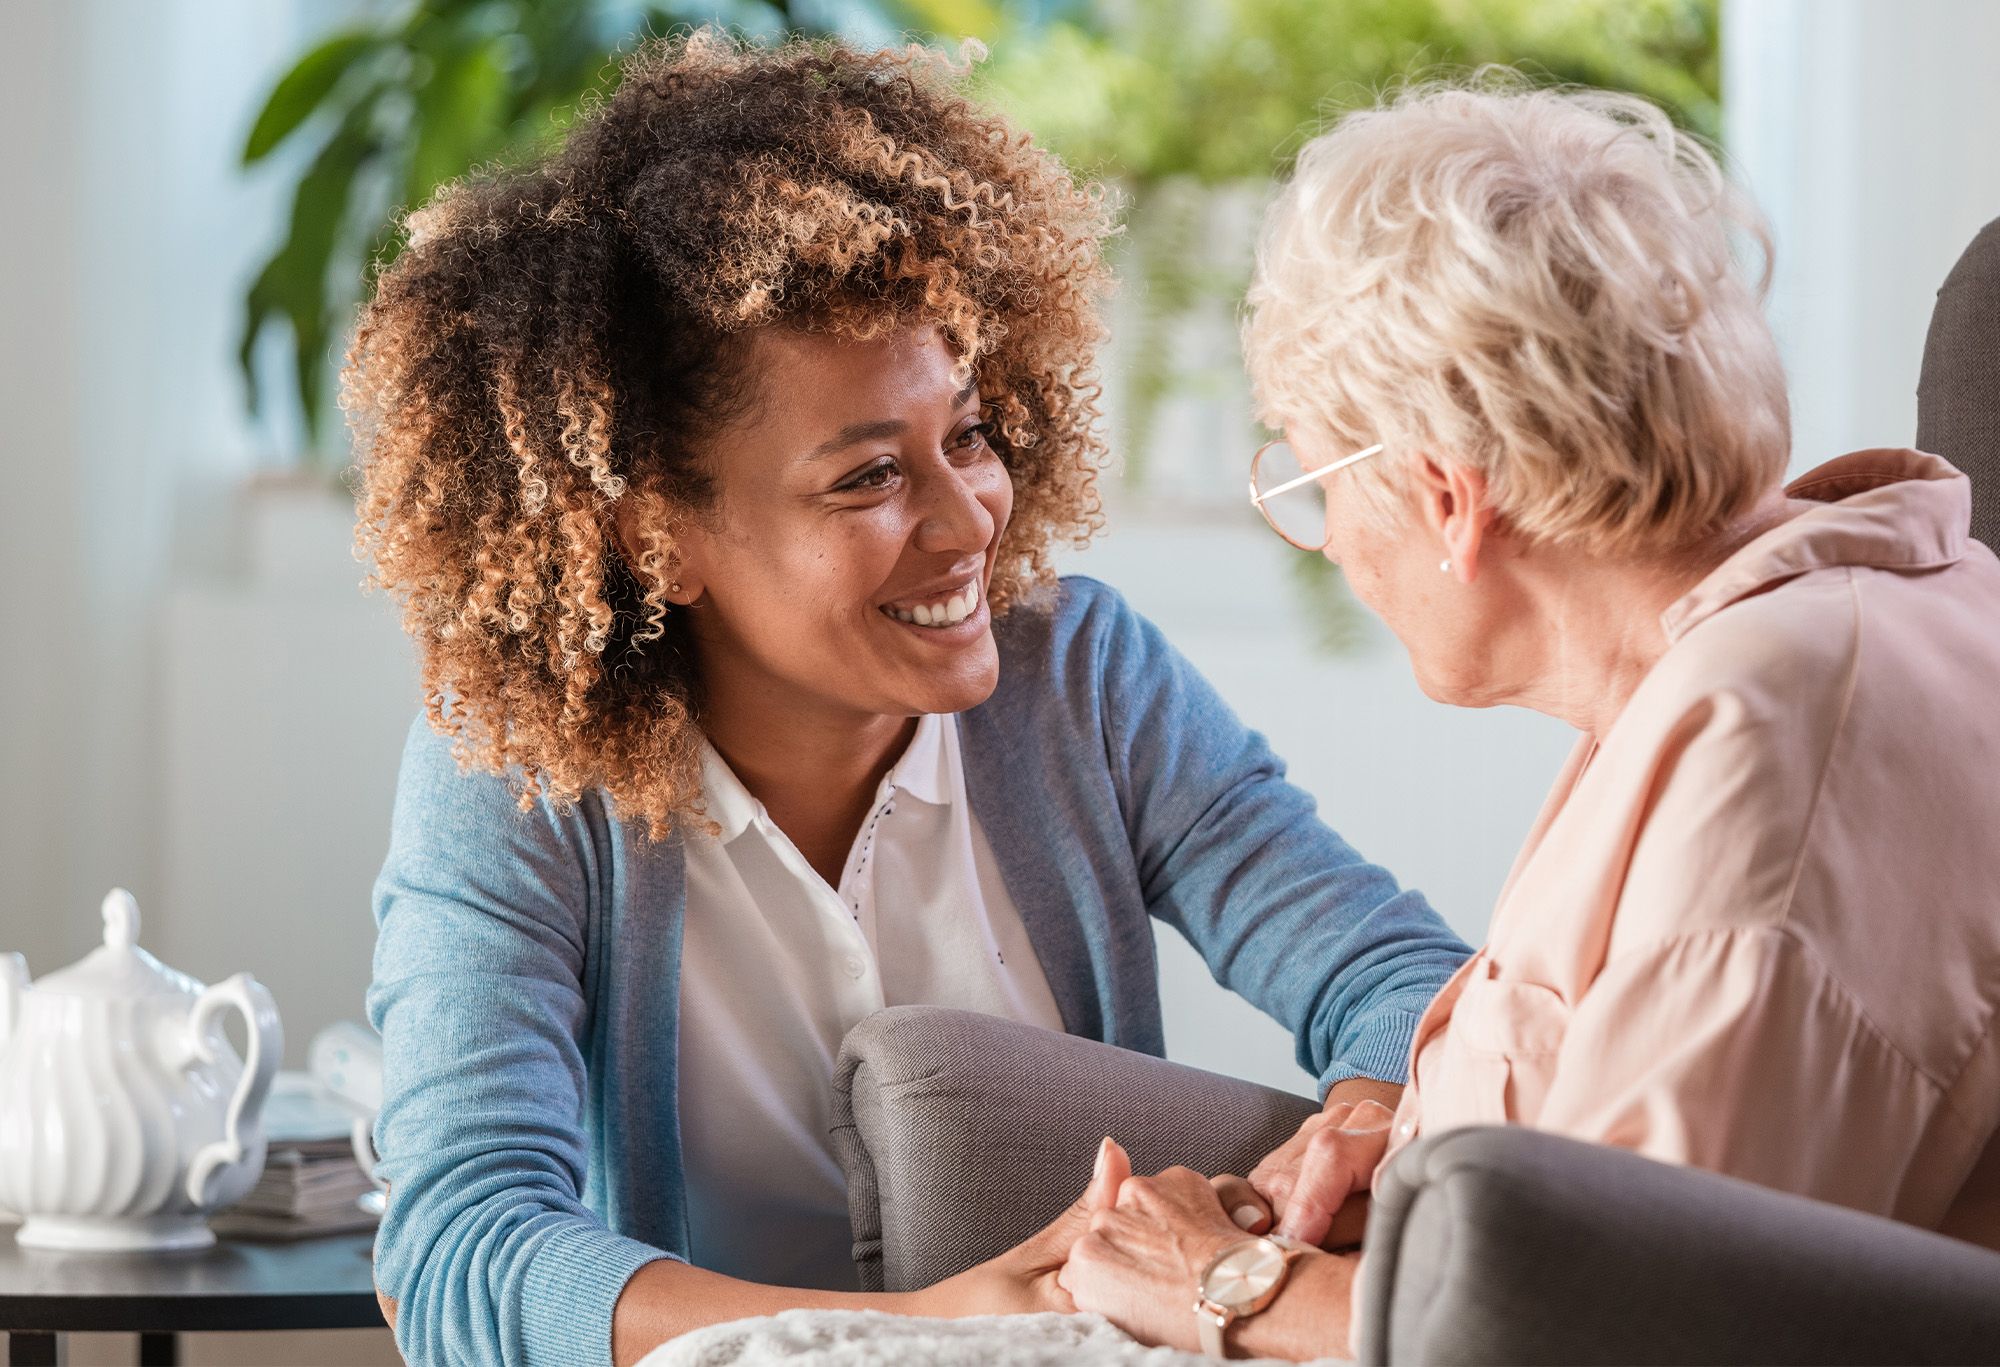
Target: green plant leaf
293	284
952	19
462	118
302	90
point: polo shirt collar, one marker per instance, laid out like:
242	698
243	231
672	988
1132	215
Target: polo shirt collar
929	767
929	771
725	800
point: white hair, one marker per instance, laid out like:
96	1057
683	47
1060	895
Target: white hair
1535	283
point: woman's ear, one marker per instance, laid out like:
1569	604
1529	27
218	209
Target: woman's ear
1452	502
655	545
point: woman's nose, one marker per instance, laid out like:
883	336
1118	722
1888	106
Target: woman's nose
953	516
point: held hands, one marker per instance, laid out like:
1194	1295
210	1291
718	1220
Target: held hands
1132	1248
1148	1239
1138	1262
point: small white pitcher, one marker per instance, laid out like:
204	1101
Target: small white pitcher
126	1118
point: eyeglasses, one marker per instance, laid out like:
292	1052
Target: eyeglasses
1291	497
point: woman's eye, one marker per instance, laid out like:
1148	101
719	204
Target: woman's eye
874	478
975	437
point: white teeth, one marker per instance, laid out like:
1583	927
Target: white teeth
948	613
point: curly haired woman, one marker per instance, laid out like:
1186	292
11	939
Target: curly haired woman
718	459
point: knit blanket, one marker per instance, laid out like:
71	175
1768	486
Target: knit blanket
870	1338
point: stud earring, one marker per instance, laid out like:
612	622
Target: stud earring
1444	567
674	587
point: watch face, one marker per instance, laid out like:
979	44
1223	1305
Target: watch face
1242	1276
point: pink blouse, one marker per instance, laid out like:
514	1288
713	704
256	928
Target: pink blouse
1757	927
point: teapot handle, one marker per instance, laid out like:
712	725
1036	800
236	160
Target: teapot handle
267	1047
13	987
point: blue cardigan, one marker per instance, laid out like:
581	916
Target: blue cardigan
527	966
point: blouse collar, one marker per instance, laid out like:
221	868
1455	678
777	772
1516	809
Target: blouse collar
1884	509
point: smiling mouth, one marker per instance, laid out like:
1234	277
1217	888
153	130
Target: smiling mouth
947	611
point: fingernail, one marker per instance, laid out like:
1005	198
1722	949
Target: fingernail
1246	1216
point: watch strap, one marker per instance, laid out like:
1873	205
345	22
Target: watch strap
1214	1322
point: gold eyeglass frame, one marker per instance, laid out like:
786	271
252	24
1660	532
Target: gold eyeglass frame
1259	498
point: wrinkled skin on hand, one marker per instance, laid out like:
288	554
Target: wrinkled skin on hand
1140	1261
1314	1186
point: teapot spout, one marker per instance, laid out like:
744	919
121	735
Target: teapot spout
13	986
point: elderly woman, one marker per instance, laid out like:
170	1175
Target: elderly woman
1534	413
718	458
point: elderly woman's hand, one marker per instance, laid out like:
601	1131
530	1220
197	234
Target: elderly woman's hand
1139	1263
1315	1185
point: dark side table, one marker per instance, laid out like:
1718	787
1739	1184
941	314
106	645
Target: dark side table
311	1284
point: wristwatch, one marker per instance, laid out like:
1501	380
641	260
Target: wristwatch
1238	1282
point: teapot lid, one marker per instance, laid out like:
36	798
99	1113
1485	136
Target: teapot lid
118	967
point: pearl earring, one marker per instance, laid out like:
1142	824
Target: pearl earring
674	587
1444	567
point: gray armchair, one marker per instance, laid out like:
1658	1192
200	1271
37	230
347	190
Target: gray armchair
1958	392
962	1134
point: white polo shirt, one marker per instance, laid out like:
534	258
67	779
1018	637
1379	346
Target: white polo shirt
776	967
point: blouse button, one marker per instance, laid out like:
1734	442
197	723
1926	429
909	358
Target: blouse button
855	968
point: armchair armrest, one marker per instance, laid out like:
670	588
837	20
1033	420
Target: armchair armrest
1511	1246
962	1134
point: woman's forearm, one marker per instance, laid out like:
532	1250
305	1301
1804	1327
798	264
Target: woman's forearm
1309	1319
667	1298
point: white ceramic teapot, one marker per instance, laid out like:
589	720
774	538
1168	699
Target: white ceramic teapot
125	1116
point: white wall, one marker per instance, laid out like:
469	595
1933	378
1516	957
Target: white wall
40	386
1867	130
284	699
128	239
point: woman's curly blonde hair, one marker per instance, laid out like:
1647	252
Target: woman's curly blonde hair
556	340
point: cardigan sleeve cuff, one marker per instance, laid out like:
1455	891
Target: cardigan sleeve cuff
1380	1051
571	1288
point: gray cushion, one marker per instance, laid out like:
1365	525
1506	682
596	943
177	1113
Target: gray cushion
962	1134
1511	1246
1958	394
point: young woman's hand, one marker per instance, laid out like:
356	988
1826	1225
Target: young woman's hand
1023	1279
